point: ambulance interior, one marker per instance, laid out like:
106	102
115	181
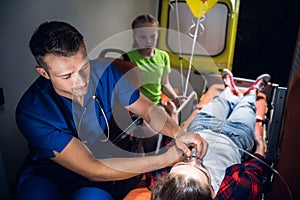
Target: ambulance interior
199	48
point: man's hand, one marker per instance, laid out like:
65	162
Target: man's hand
184	140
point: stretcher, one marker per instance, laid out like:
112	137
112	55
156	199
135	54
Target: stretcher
268	118
270	107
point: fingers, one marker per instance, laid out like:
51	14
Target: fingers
202	146
190	139
187	151
170	106
183	146
179	100
182	97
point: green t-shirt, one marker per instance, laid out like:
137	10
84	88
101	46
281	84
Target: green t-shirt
152	71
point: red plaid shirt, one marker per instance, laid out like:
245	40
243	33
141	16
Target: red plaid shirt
241	181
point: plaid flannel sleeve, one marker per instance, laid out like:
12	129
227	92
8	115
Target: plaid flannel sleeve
242	181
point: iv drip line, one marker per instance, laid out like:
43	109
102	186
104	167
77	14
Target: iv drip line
199	20
179	44
192	55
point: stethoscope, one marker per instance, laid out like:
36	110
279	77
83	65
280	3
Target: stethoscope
94	97
136	122
105	118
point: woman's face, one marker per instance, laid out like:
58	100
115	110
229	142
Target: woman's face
146	36
193	169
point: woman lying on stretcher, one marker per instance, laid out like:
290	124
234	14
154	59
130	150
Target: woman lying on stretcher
227	123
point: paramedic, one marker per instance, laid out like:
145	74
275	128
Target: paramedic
65	113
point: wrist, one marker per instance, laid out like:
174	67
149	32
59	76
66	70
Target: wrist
180	132
260	152
175	98
168	158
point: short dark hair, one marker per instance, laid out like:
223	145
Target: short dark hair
54	37
179	187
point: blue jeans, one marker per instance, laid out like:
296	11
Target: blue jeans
229	115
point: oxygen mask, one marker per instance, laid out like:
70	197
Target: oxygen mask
194	156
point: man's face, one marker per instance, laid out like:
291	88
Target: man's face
69	75
146	36
193	169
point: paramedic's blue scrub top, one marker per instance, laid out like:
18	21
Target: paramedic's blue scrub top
41	121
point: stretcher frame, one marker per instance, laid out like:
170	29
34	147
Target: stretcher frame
270	106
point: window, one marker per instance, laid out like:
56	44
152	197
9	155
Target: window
211	38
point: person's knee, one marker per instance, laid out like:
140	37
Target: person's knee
37	188
91	193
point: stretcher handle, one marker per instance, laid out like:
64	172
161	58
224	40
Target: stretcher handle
189	98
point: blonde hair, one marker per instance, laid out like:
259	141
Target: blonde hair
144	19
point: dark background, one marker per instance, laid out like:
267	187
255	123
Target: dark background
266	38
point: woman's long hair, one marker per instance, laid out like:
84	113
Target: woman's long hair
179	187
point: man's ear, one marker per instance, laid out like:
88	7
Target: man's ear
42	72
